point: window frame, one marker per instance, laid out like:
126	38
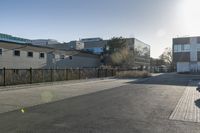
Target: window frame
14	54
62	57
28	54
41	54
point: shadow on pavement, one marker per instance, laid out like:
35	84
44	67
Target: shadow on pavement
197	103
168	79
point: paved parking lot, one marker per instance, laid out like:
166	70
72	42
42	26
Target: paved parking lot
153	105
23	96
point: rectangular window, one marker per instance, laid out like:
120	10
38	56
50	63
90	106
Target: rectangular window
30	54
175	48
62	56
187	47
41	55
16	53
179	48
1	51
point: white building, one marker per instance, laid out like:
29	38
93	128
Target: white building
24	56
186	54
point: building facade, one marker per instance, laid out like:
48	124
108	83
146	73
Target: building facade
186	54
141	52
44	42
94	45
23	56
9	38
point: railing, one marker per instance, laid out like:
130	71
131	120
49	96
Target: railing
29	76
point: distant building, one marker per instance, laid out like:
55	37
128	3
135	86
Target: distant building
23	56
91	39
186	54
141	52
9	38
94	45
73	45
44	42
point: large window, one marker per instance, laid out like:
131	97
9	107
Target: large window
16	53
182	48
187	47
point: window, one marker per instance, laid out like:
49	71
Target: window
70	57
16	53
41	55
1	51
175	48
179	48
62	56
30	54
187	47
182	48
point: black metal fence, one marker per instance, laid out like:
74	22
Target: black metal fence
29	76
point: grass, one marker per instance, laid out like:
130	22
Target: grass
133	74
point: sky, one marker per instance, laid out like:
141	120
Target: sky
154	22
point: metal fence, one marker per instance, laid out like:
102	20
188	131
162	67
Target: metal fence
29	76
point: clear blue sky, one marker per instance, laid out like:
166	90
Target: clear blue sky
155	22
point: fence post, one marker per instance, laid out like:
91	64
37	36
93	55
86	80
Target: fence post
79	73
66	73
51	75
112	72
4	76
30	75
98	75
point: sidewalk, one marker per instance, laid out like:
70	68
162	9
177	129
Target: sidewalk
20	97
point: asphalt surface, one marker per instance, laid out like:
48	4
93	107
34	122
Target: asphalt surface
137	107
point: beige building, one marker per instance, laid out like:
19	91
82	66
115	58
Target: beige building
23	56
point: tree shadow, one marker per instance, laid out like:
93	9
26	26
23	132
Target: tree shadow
170	79
197	103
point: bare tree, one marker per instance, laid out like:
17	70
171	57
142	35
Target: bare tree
166	56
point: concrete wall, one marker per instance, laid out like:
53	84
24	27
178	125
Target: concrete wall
8	60
74	61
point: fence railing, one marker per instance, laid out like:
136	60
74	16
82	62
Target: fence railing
29	76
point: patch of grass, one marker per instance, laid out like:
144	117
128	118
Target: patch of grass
133	74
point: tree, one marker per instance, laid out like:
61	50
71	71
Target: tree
118	53
166	56
115	44
156	62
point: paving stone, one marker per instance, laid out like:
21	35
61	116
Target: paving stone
186	109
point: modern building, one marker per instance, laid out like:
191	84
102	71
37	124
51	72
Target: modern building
141	52
9	38
44	42
94	45
23	56
186	54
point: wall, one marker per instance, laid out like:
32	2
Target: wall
8	60
52	58
74	61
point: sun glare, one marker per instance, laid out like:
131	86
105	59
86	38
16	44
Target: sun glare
189	15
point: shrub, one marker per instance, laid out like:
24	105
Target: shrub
133	74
